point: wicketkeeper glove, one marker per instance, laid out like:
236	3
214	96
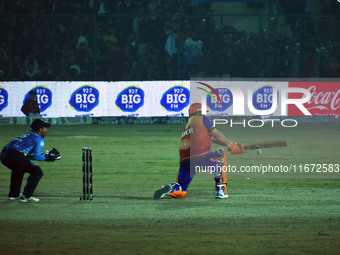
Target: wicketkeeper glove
52	155
236	148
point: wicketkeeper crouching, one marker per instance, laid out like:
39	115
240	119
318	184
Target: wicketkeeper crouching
17	156
197	136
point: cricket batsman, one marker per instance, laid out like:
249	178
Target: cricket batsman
197	136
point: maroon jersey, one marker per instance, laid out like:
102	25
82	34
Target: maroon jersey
195	141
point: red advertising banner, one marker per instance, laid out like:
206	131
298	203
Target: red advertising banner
325	98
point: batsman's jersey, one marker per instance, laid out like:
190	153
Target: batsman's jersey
31	144
195	141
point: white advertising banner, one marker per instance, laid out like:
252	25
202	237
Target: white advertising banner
74	99
148	98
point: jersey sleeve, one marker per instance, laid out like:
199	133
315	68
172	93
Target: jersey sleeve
37	153
207	123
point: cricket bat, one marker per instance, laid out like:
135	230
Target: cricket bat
263	145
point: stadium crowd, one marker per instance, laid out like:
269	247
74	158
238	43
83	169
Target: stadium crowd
161	40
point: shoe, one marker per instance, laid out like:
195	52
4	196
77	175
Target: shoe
178	194
220	194
164	191
12	198
23	199
176	191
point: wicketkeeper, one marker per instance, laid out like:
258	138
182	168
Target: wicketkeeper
197	136
17	156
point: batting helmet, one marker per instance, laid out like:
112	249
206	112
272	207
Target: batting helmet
194	108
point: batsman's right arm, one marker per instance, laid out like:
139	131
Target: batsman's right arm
218	137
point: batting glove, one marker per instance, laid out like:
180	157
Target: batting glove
236	148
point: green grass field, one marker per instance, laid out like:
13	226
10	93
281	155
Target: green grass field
296	213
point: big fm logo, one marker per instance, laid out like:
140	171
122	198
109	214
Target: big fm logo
85	98
130	99
219	99
3	98
176	98
263	97
43	97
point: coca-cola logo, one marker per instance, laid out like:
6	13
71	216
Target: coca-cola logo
323	99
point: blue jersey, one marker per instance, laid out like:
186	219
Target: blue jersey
31	144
